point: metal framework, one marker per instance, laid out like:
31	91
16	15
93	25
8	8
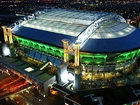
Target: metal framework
83	37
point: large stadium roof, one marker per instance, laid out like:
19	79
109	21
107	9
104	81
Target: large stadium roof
103	32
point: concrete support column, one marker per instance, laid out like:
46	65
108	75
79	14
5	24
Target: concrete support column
76	53
4	34
65	45
7	35
77	78
62	74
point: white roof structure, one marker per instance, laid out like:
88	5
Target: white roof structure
70	22
63	21
77	26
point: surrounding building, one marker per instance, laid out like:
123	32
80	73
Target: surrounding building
77	50
108	96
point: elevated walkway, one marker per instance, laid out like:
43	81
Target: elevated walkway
62	89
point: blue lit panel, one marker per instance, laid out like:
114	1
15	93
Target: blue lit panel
32	53
51	59
57	62
43	58
37	55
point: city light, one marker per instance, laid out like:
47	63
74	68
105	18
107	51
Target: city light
29	69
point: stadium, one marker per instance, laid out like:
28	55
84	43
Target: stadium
81	49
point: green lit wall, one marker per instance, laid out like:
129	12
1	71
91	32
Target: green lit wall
86	58
93	58
101	59
39	46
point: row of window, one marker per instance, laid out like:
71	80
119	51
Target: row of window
41	56
46	48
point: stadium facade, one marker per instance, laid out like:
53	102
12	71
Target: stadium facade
83	49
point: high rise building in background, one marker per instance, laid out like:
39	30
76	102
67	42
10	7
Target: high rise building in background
73	49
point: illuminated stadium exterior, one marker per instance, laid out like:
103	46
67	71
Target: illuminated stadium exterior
87	49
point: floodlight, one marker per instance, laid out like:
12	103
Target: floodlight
5	50
70	76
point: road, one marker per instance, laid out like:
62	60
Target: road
21	93
12	84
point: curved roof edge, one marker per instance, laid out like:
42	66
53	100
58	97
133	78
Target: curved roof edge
114	45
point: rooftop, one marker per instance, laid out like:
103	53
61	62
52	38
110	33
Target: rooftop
107	32
21	67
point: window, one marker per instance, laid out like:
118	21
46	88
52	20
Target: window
57	62
32	53
51	59
26	51
37	55
43	58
